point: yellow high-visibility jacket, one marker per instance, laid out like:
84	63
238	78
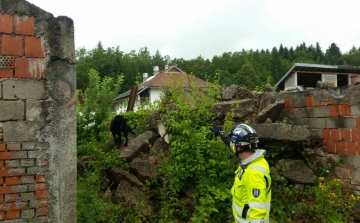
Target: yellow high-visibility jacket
251	192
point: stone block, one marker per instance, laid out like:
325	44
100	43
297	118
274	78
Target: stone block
340	122
21	131
351	160
19	188
23	89
302	112
312	123
12	110
321	95
35	110
282	132
355	110
356	174
34	146
316	112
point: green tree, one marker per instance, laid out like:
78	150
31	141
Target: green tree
352	57
97	99
333	55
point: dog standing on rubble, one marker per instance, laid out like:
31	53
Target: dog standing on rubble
119	125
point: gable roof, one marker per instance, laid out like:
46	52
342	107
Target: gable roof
164	78
319	68
172	74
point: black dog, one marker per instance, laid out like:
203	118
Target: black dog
119	125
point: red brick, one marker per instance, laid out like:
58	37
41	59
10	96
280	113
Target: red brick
358	122
316	103
292	112
287	103
2	147
41	194
14	206
12	214
40	186
11	180
1	198
24	25
351	148
334	110
6	23
4	173
2	215
30	68
22	67
2	164
1	181
13	146
330	147
344	110
344	172
355	135
335	134
6	73
329	102
8	155
340	148
309	101
323	142
323	103
34	47
42	211
40	179
325	133
5	190
43	203
345	134
11	45
352	80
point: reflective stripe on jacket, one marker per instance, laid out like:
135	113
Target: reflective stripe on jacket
251	192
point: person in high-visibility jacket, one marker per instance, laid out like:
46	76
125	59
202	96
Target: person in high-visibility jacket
251	192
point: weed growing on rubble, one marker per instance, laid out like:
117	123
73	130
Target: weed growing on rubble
327	201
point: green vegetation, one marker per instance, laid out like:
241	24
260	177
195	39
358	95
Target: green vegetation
199	165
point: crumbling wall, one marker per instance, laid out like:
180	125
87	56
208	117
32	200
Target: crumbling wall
333	120
37	115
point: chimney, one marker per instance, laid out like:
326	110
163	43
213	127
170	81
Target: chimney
156	70
166	66
145	76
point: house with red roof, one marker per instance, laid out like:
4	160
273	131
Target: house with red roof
150	90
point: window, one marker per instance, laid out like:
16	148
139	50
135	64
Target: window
342	80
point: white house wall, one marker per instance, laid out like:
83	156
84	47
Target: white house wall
155	94
330	79
291	81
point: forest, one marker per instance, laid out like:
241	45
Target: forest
248	68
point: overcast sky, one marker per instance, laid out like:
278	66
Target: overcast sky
190	28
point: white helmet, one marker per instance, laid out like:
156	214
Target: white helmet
243	135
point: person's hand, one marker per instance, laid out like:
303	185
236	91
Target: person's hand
217	130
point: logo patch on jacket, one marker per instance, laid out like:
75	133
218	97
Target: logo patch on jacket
256	192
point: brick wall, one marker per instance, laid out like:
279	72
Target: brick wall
23	188
333	120
37	115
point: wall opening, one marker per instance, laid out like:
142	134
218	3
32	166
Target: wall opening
308	79
342	80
